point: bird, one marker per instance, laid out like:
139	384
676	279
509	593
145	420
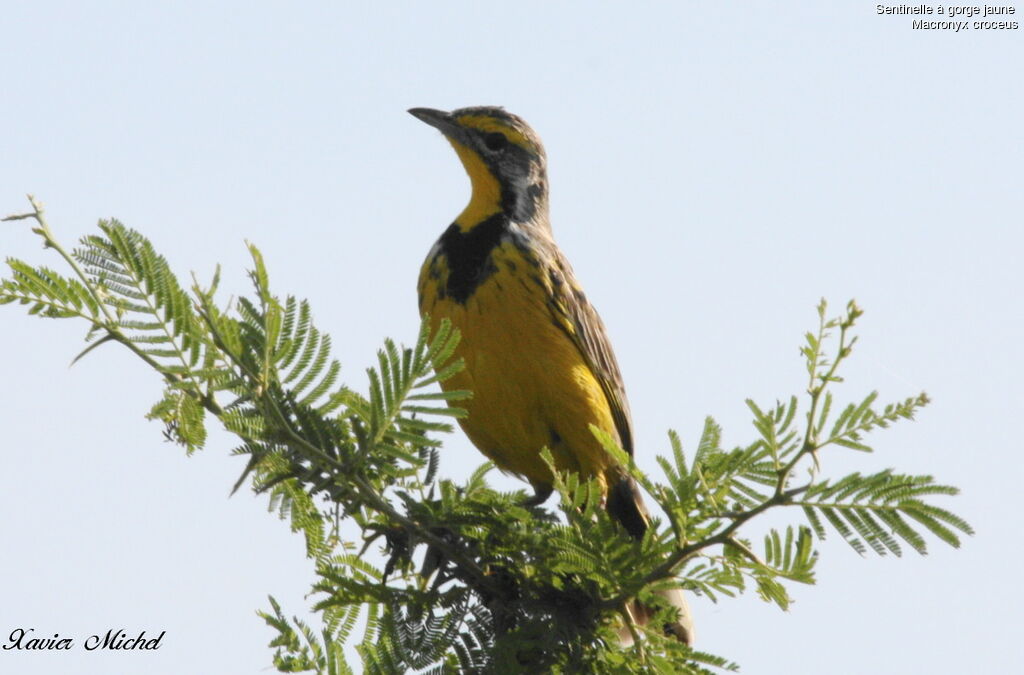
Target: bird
537	357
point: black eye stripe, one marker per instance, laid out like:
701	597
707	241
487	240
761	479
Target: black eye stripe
495	141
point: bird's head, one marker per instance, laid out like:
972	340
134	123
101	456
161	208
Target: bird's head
503	157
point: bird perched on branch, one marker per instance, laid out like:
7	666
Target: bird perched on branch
537	357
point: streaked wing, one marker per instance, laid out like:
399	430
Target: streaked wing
578	318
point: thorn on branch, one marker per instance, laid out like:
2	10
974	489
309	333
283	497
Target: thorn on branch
19	216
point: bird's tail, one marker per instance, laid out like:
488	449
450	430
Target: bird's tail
625	504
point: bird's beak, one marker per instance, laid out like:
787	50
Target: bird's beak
440	120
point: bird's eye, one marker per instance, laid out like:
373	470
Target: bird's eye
495	141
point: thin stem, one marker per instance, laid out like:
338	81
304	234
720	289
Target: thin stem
811	445
638	643
51	242
668	567
746	551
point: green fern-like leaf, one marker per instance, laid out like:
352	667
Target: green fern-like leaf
868	511
47	293
154	312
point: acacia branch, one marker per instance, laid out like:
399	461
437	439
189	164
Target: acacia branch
112	325
365	491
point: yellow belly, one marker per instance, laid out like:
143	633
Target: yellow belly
531	385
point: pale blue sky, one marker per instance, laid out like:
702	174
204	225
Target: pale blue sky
715	169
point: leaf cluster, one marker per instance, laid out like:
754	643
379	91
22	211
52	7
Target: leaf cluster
420	574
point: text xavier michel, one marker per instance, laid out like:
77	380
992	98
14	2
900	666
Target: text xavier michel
21	638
